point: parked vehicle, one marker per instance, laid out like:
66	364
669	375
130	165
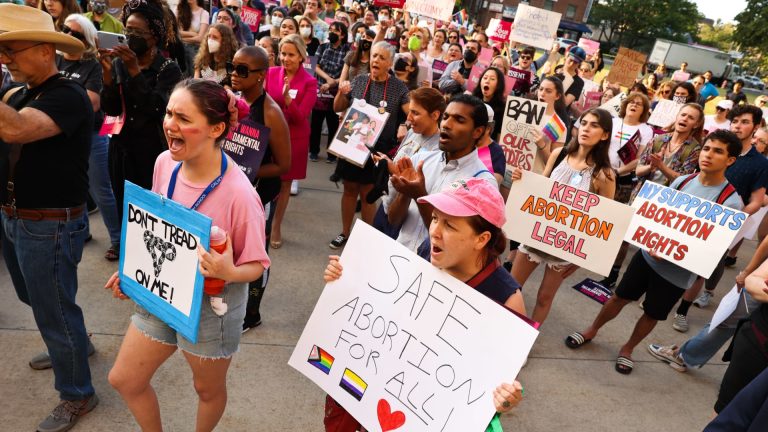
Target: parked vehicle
699	58
751	81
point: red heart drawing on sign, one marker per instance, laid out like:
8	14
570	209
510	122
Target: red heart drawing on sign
389	420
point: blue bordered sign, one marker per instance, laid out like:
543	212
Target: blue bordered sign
158	258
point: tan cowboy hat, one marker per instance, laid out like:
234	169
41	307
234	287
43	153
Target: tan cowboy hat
23	23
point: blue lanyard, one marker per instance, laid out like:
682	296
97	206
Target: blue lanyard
208	190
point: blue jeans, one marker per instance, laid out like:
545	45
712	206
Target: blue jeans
101	187
42	258
698	350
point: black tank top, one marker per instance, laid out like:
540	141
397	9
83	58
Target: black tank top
267	187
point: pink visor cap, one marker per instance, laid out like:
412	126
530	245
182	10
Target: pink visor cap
470	197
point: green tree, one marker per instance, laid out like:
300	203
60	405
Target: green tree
637	23
752	31
719	35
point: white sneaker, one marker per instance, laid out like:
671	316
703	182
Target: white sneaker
295	187
681	323
703	299
667	354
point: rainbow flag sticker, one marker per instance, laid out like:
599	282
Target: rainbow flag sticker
353	384
320	359
554	129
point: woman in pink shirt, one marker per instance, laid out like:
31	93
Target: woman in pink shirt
197	118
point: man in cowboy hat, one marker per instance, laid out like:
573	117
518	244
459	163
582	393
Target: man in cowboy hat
48	125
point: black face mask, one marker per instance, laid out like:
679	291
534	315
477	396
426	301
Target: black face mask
333	38
138	45
401	64
99	8
470	56
365	45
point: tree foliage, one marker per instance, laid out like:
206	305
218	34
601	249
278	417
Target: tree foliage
719	35
637	23
752	31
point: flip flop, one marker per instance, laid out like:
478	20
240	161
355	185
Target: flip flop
624	365
276	244
576	340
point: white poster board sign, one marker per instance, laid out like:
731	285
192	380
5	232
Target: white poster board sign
534	26
358	132
572	224
750	227
523	120
613	105
396	335
437	9
665	113
683	229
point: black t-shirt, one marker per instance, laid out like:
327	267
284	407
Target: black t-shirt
498	161
576	87
89	74
498	285
737	98
53	172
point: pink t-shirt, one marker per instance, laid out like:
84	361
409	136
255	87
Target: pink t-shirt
234	206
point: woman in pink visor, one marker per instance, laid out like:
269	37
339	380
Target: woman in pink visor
466	240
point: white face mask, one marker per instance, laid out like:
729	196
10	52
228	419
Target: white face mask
213	45
276	20
305	31
383	18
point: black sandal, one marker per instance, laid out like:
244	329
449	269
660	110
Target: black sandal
624	365
576	340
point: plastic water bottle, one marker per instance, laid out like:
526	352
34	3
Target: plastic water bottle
212	286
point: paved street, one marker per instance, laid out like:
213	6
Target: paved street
564	390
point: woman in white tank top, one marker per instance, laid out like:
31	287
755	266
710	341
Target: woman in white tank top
585	165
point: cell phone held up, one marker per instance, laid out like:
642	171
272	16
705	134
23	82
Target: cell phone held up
109	40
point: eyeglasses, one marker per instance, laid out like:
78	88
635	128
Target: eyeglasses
11	54
585	70
635	102
75	34
138	32
240	69
666	92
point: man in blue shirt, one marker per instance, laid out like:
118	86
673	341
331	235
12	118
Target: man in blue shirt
709	91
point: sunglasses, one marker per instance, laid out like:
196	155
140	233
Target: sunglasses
234	8
719	109
525	57
240	69
75	34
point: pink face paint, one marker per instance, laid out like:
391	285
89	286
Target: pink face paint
189	130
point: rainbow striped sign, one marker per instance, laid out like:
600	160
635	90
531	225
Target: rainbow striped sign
320	359
353	384
554	129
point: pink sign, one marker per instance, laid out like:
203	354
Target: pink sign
589	45
681	76
252	17
501	31
485	58
474	77
395	4
517	81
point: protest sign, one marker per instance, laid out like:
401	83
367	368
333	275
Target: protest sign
499	30
626	66
438	68
593	290
681	76
158	258
589	46
534	26
572	224
310	65
750	227
688	231
474	77
517	82
395	338
252	17
665	113
613	105
425	73
438	9
394	4
358	132
589	87
523	118
246	144
484	58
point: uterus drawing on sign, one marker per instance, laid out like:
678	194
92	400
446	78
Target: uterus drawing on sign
159	249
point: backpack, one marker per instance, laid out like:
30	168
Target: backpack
725	193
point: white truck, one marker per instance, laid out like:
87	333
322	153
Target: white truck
699	58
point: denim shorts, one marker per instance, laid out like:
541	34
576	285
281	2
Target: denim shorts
217	336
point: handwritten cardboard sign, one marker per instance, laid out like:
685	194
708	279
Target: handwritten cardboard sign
613	105
683	229
246	144
158	258
589	46
358	132
397	339
523	119
499	30
252	17
572	224
517	82
534	26
438	9
626	66
681	76
665	113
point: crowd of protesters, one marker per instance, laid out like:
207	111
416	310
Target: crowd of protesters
157	105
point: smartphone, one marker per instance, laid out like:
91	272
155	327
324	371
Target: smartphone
109	40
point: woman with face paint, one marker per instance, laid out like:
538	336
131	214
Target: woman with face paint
217	49
196	120
137	83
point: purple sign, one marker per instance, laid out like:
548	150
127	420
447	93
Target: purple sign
438	68
246	144
593	290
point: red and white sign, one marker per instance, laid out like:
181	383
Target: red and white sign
252	17
499	30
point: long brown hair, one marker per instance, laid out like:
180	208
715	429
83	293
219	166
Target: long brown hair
184	13
226	52
68	7
599	154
